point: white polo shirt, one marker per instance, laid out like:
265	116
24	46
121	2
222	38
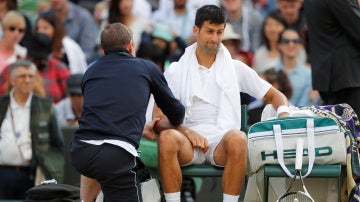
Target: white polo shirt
10	154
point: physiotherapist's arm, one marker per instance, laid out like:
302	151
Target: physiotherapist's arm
197	140
170	107
163	123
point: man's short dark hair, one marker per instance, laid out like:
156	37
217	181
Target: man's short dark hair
115	36
211	13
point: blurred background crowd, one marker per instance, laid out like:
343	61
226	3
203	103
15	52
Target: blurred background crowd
62	38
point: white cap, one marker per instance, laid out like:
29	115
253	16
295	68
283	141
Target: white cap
229	33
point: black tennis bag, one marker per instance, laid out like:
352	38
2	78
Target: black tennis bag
53	192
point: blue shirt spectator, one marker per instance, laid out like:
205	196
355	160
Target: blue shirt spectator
300	79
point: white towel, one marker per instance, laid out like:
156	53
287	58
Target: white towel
184	80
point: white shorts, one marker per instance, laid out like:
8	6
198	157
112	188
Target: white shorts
213	140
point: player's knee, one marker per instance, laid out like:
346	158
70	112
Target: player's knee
168	138
236	136
236	142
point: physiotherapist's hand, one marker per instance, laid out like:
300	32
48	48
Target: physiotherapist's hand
149	131
197	140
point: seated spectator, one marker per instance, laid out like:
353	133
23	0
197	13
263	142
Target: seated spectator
64	48
293	15
268	54
279	80
232	41
69	109
13	26
53	72
163	36
79	24
122	11
246	22
142	8
39	87
12	5
153	52
299	74
101	12
31	142
178	16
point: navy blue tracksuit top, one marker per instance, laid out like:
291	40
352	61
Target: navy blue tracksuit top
116	91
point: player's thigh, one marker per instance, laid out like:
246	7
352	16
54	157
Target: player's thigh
234	142
174	142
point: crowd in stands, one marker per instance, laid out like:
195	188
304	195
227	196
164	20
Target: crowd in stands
62	37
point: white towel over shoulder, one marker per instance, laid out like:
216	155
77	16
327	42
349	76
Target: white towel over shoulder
184	80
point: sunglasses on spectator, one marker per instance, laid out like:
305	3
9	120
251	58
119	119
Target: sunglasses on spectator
287	41
20	30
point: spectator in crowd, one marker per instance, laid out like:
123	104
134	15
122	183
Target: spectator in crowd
53	72
142	8
153	52
268	54
12	5
69	109
113	120
42	6
121	11
265	7
334	28
295	19
208	82
79	24
162	35
192	5
13	26
279	80
245	21
297	71
232	41
290	10
178	17
101	12
64	48
31	143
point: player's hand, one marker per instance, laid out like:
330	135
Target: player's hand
149	131
197	140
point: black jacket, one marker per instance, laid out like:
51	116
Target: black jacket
334	34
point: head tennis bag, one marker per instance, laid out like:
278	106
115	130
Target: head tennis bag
323	141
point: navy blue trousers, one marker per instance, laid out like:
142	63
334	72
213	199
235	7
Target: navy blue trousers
112	166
